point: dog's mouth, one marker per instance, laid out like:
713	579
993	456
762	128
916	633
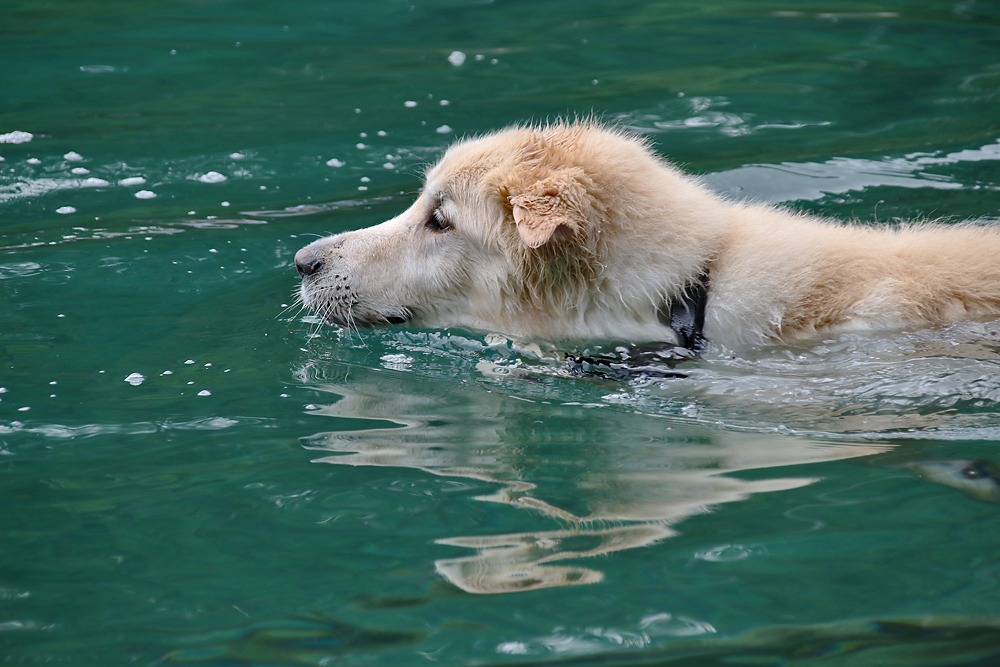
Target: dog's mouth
340	307
402	317
352	320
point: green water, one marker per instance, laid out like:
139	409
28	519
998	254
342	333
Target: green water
194	471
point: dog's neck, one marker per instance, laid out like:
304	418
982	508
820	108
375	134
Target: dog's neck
686	314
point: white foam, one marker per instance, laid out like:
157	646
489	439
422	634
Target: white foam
16	137
334	162
65	209
211	177
457	58
132	180
135	379
145	194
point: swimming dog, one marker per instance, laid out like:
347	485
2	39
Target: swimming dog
579	231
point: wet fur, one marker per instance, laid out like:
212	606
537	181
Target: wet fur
575	230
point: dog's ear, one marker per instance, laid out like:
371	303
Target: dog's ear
553	206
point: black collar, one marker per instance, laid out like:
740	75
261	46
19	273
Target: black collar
686	314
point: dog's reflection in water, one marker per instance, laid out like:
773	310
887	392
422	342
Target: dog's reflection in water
633	476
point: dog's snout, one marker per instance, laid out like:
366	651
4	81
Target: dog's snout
308	261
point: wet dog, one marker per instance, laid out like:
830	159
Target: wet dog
578	231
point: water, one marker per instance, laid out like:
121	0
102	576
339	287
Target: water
195	472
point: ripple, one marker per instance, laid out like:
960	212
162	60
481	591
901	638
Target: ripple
702	112
81	431
726	553
932	383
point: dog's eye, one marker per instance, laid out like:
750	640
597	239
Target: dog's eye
437	222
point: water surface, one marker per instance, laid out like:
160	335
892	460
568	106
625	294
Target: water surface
194	471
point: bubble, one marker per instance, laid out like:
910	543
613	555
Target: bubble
135	379
444	129
132	180
16	137
409	104
513	648
145	194
73	156
457	58
212	177
65	209
334	162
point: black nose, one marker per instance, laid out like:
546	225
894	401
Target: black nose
307	261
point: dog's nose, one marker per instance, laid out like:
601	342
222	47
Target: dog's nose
307	261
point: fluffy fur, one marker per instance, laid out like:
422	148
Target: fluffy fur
578	231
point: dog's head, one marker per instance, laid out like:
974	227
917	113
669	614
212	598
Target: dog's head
539	232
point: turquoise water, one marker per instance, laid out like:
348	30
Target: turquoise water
196	472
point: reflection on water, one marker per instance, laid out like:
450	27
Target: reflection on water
611	466
633	477
811	181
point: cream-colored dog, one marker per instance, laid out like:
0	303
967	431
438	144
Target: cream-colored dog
576	231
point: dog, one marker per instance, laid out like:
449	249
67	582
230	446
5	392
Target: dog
577	231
